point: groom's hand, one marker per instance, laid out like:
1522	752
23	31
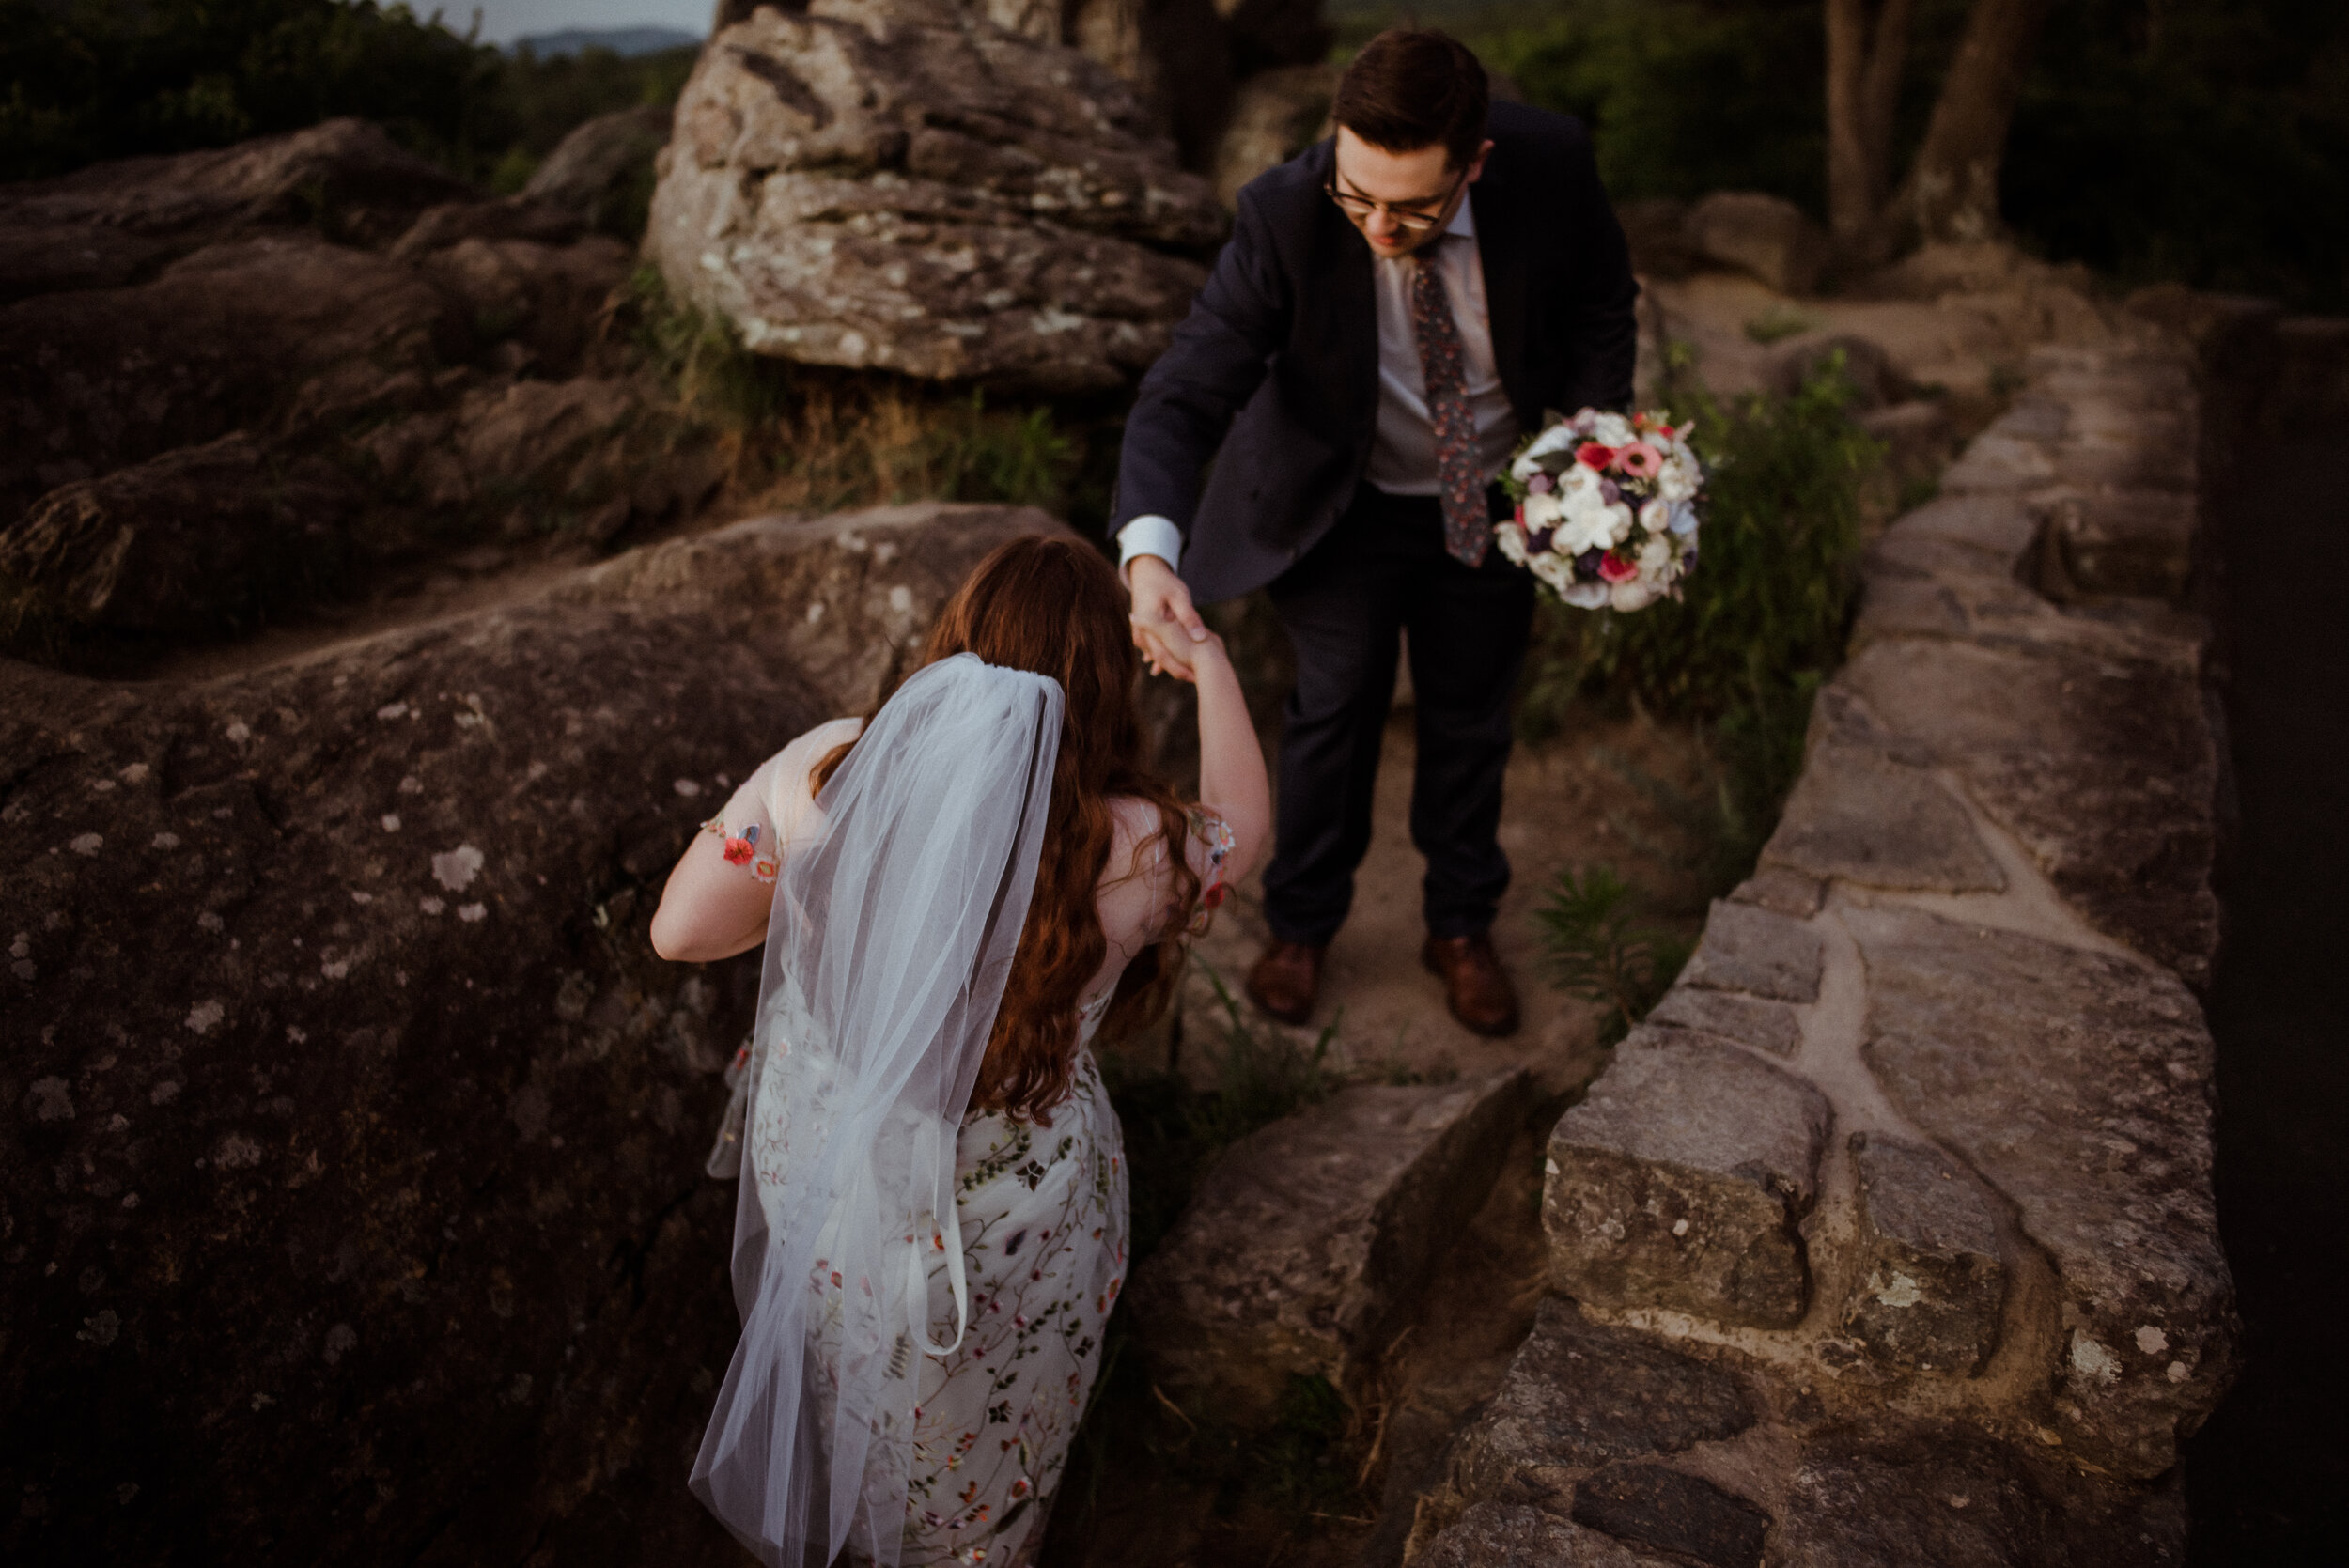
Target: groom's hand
1166	625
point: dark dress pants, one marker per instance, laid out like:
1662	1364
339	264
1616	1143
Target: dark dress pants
1382	569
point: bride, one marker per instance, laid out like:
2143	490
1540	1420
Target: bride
956	893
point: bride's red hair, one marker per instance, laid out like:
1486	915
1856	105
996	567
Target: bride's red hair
1053	606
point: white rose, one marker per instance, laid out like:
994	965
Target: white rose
1655	556
1543	511
1618	522
1612	429
1512	542
1558	438
1585	596
1630	596
1555	570
1577	482
1656	516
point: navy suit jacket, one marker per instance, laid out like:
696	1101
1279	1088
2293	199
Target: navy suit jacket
1274	374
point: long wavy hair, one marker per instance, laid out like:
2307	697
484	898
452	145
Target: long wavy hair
1053	606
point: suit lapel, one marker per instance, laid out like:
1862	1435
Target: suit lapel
1348	301
1502	249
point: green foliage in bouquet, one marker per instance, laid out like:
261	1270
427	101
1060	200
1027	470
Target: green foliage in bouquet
1595	951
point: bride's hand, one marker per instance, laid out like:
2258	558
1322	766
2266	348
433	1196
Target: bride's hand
1181	665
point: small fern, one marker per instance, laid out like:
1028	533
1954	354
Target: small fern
1596	952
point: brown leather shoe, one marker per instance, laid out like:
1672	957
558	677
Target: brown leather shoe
1286	979
1475	986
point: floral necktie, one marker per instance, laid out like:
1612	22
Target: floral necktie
1459	471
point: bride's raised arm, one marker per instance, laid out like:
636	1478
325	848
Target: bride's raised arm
718	898
1232	781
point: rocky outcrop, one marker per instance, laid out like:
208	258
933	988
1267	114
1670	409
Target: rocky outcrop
1275	116
1308	1247
1916	1156
353	1136
903	185
1767	237
602	170
312	358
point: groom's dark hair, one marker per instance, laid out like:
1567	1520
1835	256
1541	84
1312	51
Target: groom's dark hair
1412	88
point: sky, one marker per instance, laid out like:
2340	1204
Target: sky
503	20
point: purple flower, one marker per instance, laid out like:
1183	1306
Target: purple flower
1538	540
1586	564
1609	491
1539	484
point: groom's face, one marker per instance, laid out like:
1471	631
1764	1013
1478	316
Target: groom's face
1399	200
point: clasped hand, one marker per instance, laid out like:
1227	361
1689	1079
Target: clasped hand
1166	625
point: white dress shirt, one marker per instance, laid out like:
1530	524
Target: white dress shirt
1403	447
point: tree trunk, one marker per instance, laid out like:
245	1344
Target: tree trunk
1864	57
1952	192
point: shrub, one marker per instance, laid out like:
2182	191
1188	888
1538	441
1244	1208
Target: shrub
1769	599
806	436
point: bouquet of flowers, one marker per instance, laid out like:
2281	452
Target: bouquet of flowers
1607	509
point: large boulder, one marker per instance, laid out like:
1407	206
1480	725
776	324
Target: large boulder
352	1156
195	542
1307	1246
103	225
603	169
1768	238
101	379
903	185
1275	116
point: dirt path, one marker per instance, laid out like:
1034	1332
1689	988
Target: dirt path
1569	803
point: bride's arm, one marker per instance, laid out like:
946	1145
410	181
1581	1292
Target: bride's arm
1232	781
718	898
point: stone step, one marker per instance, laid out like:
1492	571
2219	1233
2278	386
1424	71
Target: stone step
1681	1181
1310	1243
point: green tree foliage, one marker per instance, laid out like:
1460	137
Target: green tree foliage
2205	141
2201	140
87	80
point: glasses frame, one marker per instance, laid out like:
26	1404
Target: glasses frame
1361	209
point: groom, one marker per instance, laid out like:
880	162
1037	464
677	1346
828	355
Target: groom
1396	306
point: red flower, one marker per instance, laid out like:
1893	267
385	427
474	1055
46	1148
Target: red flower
1213	897
1591	455
738	851
1614	569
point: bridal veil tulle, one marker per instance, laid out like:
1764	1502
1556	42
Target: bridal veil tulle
897	913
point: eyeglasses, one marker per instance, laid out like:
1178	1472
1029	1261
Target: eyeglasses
1409	215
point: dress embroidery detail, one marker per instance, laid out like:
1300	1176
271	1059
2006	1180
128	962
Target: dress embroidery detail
742	849
1217	836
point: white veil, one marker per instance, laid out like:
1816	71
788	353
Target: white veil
897	916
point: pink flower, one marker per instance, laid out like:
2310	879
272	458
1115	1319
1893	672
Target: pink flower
1614	569
1641	461
1592	454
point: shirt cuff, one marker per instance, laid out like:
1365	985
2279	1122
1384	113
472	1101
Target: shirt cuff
1149	535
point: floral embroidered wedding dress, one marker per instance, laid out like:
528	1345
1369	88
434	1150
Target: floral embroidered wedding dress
1042	1215
1042	1211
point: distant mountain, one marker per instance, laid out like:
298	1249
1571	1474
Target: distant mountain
620	40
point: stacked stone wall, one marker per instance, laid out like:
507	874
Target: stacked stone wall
1908	1180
